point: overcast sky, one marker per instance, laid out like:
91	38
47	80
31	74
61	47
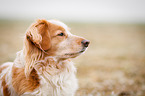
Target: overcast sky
75	10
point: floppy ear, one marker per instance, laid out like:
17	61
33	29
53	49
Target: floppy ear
38	34
37	40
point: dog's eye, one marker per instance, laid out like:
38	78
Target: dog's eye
61	34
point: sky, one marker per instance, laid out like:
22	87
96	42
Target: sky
75	10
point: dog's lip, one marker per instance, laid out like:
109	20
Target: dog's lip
72	53
76	52
83	49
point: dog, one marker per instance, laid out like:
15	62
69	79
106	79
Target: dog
44	67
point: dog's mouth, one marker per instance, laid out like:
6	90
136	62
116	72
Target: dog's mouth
76	53
83	49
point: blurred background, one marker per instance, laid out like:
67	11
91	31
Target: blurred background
113	65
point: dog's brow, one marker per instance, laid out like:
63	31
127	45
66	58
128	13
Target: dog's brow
58	23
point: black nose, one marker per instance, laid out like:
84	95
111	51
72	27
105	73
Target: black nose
85	43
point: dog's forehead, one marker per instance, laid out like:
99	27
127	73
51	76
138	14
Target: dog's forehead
59	23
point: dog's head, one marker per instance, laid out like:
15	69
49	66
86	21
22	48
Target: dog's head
51	38
54	38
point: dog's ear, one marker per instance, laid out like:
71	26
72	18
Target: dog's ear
39	35
37	40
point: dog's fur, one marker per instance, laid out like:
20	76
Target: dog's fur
43	67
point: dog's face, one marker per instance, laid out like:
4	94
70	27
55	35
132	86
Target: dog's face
54	38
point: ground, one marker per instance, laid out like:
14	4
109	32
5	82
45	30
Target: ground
113	65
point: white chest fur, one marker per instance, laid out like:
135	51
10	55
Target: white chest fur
63	83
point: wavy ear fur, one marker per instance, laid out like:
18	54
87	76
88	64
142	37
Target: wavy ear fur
39	35
37	41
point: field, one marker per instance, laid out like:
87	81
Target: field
113	65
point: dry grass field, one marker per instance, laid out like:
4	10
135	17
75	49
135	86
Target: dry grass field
113	65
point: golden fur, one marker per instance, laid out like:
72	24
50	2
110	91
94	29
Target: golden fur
43	67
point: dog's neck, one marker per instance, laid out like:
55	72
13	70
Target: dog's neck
51	64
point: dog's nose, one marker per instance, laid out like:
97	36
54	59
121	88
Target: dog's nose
85	43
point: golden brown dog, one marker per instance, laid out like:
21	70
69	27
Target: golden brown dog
43	67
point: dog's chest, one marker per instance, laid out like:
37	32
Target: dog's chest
62	84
